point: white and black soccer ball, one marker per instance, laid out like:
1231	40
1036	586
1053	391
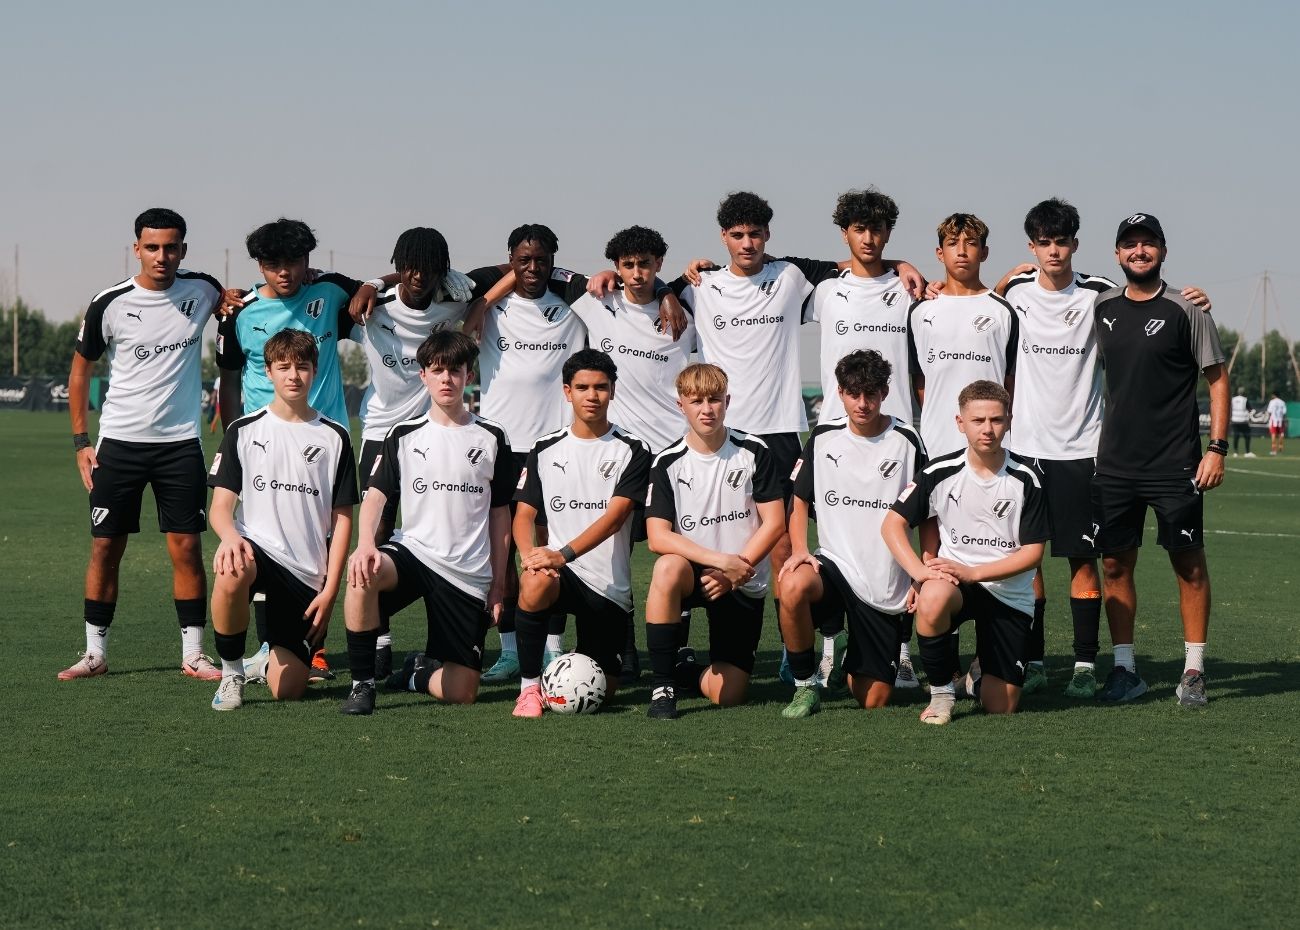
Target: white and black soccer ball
573	684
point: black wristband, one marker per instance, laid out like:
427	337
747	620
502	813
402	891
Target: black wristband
1217	446
80	441
567	553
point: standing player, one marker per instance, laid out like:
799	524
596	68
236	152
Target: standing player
1276	423
151	328
1154	346
293	475
713	513
1240	418
992	522
850	472
588	469
453	474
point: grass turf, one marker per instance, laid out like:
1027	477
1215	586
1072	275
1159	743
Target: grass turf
130	803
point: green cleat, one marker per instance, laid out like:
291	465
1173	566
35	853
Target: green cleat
1083	685
1035	678
807	701
505	669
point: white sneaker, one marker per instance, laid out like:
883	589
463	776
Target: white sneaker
230	694
906	677
1249	455
255	667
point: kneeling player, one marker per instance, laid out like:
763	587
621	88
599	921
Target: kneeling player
293	474
587	469
851	470
992	521
714	511
452	471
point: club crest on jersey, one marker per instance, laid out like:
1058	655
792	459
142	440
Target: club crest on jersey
798	467
187	306
475	455
97	515
1003	507
1154	326
735	478
769	288
981	323
315	308
1072	316
659	326
552	312
312	453
607	468
889	299
889	468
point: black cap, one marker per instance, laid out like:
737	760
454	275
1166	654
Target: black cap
1140	221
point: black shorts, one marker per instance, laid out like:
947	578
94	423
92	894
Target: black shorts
176	472
1241	429
1001	633
370	449
785	449
735	625
1119	507
874	635
287	600
602	624
1067	487
458	621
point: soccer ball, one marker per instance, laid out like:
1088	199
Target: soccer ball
573	684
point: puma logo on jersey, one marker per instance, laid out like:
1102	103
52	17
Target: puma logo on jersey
1110	324
928	319
134	316
562	466
1022	310
260	329
1091	540
260	445
835	458
954	499
422	453
681	480
842	294
612	311
391	329
716	288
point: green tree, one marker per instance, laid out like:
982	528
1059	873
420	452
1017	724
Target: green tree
44	348
353	365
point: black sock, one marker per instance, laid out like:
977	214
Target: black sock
259	618
422	678
683	631
1086	613
230	646
192	611
99	613
508	607
686	677
530	638
361	654
904	633
938	658
556	623
385	624
661	643
803	665
629	645
1035	643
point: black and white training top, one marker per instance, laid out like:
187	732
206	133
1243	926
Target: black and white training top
953	341
1058	403
981	520
863	313
448	479
1153	352
154	343
849	483
712	499
570	482
289	477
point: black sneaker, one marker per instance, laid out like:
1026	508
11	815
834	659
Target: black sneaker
401	679
1122	686
383	662
663	704
361	702
631	669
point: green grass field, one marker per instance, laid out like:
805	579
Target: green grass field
128	802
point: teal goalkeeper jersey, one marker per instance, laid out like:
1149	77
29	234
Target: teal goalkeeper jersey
320	308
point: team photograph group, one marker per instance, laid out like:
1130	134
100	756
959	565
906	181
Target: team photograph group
526	428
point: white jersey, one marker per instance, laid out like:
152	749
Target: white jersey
849	483
863	313
570	482
448	479
981	520
953	341
1058	403
289	478
525	345
648	360
1276	412
390	338
154	343
713	500
749	327
1240	409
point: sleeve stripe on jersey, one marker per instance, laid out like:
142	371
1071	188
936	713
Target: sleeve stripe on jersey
947	464
911	435
829	426
746	440
548	440
1019	470
105	297
1094	282
200	276
496	429
1026	278
624	436
340	429
670	455
1002	301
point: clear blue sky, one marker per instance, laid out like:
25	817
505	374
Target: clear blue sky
367	118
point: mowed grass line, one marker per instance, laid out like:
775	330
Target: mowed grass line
129	802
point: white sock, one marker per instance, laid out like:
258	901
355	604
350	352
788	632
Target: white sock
904	655
96	640
1090	666
943	694
385	639
191	641
1194	657
526	683
554	642
1124	657
362	681
828	648
805	682
232	667
508	642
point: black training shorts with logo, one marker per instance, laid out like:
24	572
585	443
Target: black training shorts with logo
873	635
1067	488
601	624
1119	507
735	625
174	470
1001	633
458	621
287	600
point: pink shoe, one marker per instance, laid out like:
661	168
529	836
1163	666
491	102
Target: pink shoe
88	666
529	703
202	668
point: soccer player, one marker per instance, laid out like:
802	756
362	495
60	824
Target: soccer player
584	481
992	521
714	511
293	475
850	472
1276	423
1240	418
151	328
1154	347
453	474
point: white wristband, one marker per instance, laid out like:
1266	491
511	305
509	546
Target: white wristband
377	284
